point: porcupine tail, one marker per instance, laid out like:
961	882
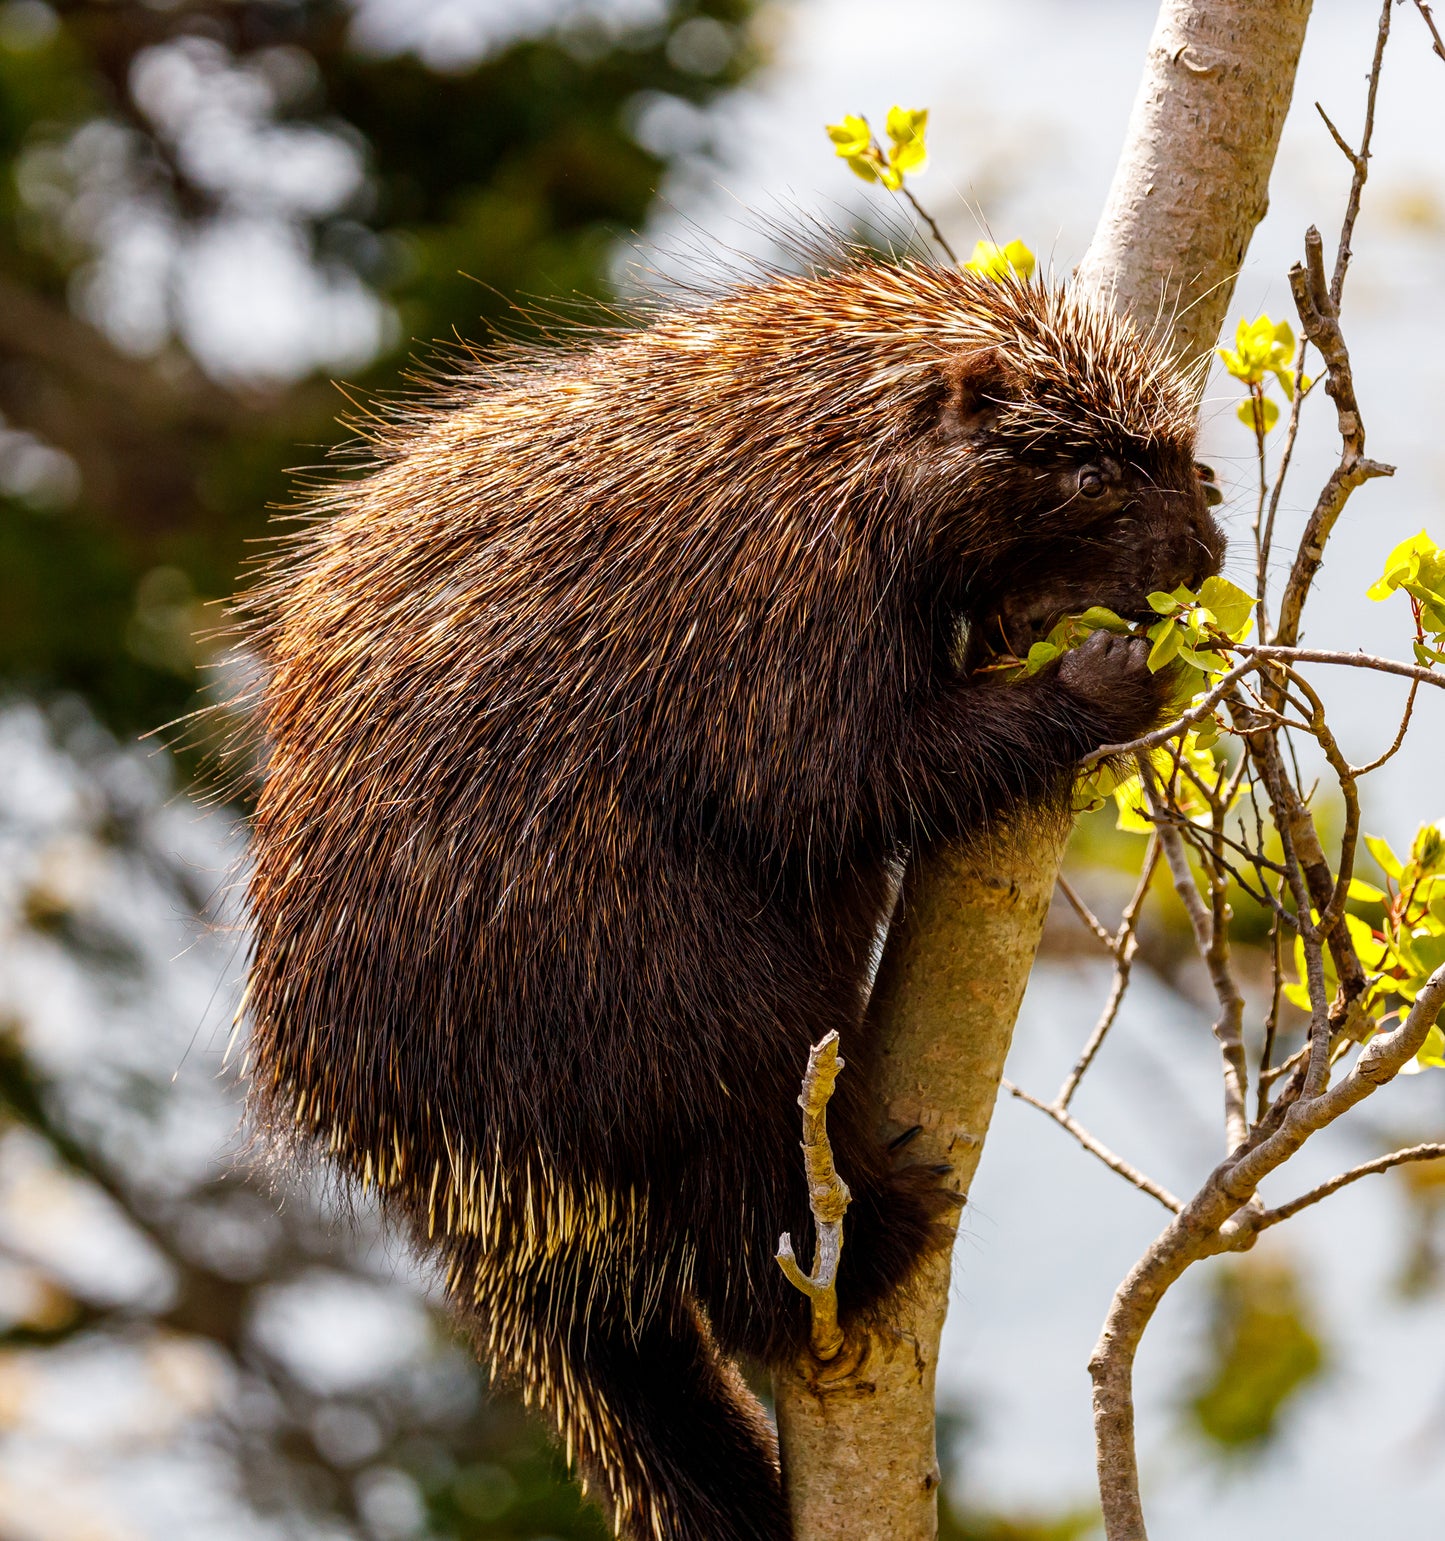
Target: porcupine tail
655	1421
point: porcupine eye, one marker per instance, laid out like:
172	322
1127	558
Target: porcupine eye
1091	482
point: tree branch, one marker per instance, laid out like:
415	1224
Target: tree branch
1428	1152
1096	1147
860	1460
1437	43
828	1199
1216	1220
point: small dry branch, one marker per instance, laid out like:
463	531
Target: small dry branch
1437	44
828	1198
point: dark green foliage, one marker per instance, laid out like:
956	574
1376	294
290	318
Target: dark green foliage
509	176
131	487
1264	1352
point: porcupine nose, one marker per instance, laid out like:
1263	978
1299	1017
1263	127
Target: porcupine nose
1206	544
1189	547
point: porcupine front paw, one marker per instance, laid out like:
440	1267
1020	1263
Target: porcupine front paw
1108	678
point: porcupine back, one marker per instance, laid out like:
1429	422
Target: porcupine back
570	837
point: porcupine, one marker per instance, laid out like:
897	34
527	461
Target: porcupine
598	714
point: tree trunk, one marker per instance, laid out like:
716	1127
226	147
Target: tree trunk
1191	185
858	1447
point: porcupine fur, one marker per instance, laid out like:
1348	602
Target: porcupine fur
597	715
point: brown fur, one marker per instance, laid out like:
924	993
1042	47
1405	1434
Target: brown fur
598	715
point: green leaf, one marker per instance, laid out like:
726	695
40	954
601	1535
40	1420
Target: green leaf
990	260
852	137
1041	654
1163	604
1101	618
1365	892
1389	863
1233	606
1259	413
1210	663
1166	644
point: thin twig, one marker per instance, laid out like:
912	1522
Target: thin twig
1265	542
932	224
1211	936
1393	750
1124	944
1438	45
1318	307
1407	671
1089	918
1360	160
1096	1148
1217	1219
828	1198
1271	1021
1433	1151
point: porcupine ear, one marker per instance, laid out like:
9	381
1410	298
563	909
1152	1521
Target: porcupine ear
975	386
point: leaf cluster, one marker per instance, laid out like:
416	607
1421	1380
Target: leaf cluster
1416	567
907	151
1263	349
1399	937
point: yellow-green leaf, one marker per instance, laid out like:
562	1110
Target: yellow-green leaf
852	137
1389	862
1401	563
1432	1051
1233	607
1427	851
1259	413
1130	802
906	125
1166	644
1371	949
906	129
990	260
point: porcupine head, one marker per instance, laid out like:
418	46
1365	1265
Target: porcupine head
599	712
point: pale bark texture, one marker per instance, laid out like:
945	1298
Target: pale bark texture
857	1439
1191	185
1193	179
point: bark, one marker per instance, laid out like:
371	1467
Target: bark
857	1436
1191	185
1193	179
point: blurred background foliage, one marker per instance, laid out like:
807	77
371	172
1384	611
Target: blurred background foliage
398	192
412	203
208	213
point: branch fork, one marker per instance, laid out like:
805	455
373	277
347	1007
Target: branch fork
828	1199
